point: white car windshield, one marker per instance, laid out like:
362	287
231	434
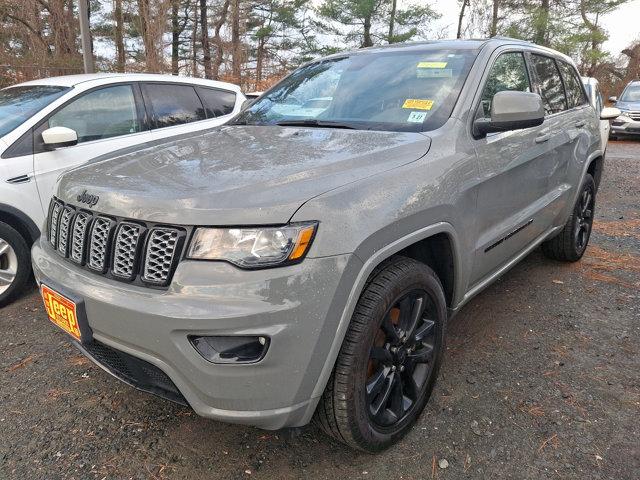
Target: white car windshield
17	104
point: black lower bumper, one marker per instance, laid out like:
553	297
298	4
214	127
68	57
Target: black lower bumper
133	371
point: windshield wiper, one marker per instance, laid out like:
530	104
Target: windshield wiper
310	122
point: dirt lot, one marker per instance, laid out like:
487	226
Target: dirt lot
541	380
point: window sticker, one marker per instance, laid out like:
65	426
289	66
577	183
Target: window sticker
432	64
417	104
433	70
417	117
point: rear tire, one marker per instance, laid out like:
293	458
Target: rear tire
389	359
15	264
571	243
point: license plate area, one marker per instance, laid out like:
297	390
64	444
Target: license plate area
66	312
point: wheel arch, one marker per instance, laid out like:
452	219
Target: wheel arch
19	222
421	245
595	167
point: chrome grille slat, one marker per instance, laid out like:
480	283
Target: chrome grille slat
121	249
99	243
159	255
63	230
126	249
79	236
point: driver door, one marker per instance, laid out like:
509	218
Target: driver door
105	119
514	169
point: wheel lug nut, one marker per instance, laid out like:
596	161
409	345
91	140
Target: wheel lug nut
393	368
402	368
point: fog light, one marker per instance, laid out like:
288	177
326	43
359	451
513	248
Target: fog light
231	349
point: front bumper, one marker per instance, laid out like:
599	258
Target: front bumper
625	126
297	307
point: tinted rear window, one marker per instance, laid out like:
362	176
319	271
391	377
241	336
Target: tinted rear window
573	85
173	104
549	84
217	102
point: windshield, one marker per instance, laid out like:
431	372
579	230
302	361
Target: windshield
393	90
17	104
631	94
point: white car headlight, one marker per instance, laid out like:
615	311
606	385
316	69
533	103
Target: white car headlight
624	113
253	247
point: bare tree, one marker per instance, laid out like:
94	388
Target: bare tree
217	40
206	50
464	5
493	31
119	35
236	47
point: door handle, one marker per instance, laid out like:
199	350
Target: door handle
581	124
543	137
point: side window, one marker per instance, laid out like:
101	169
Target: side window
217	102
173	104
509	72
105	113
550	84
573	85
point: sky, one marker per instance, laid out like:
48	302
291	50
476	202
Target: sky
623	25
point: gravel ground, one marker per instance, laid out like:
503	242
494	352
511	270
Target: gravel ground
541	380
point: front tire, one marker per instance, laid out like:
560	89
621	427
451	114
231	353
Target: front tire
571	243
389	360
15	265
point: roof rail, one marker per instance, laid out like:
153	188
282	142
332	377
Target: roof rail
502	37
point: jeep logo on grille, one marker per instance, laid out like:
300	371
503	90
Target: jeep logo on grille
87	198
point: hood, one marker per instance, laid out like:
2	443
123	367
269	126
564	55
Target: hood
236	175
635	106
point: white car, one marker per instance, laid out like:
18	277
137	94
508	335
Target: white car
592	87
51	125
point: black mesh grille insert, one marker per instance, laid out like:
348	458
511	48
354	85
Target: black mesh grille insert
134	371
118	248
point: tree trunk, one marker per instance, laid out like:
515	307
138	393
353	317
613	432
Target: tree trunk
366	38
259	62
541	33
119	36
460	18
392	21
175	37
206	50
194	43
494	19
236	50
217	40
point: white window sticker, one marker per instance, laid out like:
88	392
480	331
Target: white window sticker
417	117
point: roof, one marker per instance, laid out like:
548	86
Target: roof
104	78
462	44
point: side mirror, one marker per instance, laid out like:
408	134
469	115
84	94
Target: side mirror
613	99
609	113
58	137
511	111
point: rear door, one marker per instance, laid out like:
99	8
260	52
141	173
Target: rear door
515	169
105	119
571	140
175	108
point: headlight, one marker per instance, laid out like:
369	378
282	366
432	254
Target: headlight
257	247
624	113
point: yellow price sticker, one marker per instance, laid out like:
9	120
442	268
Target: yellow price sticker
432	64
417	104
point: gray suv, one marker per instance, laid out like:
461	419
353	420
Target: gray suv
303	262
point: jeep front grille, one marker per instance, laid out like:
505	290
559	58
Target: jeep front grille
117	248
